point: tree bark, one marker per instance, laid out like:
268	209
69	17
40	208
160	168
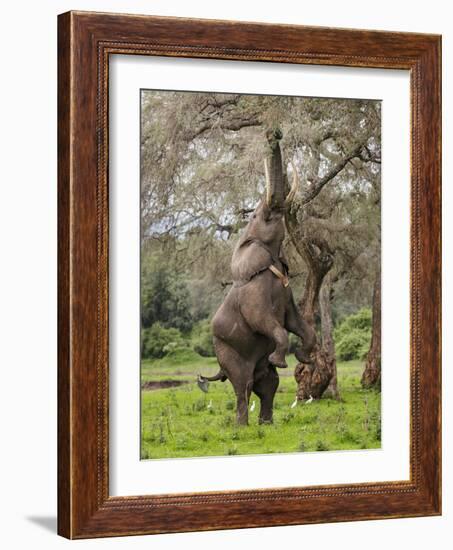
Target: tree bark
313	378
371	377
328	343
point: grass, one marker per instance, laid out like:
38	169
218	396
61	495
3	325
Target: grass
185	422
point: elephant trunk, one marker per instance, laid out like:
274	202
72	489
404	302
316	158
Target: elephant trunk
275	184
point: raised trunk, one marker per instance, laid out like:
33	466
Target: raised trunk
327	341
274	166
371	377
313	378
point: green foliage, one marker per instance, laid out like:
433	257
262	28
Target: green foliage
165	298
158	341
202	339
177	422
181	354
353	335
354	345
360	320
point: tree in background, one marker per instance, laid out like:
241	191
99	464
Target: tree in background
165	299
372	373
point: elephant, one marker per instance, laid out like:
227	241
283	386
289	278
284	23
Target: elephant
250	328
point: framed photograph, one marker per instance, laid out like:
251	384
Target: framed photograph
249	275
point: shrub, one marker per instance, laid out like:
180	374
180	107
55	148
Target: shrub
353	345
157	341
182	355
202	339
321	446
353	336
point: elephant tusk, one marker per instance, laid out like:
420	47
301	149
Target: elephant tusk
268	183
294	186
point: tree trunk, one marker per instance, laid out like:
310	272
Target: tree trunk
313	378
371	377
328	344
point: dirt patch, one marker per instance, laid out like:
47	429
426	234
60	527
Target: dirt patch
161	384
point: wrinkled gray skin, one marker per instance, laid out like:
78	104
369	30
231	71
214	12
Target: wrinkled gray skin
250	327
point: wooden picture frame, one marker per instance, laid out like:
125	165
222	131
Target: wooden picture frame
85	42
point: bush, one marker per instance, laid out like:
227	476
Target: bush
202	339
182	355
353	335
158	341
354	345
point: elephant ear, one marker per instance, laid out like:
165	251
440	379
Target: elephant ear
249	258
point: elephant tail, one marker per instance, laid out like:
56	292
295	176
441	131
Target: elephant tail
203	381
219	376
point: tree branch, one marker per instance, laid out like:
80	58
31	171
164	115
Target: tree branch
317	186
233	125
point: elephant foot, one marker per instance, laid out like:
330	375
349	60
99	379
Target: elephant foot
278	361
302	356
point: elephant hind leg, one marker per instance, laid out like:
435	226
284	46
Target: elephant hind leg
265	387
240	374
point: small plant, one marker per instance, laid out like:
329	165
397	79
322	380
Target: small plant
349	437
232	451
162	438
227	421
302	447
366	420
200	405
321	446
145	454
229	405
181	443
260	433
378	431
310	418
151	437
287	417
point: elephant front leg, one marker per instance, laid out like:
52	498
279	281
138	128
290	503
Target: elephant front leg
278	357
258	312
295	324
263	321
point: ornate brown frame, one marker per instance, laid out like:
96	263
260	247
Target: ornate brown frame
85	41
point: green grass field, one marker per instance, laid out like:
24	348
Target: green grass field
184	422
